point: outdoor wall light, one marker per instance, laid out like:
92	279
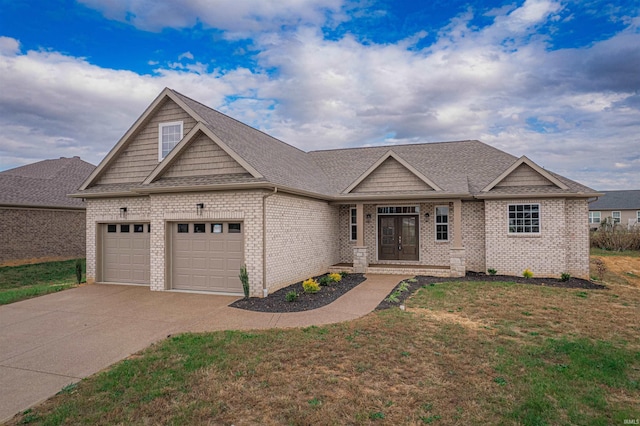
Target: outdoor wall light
123	211
199	208
368	217
426	216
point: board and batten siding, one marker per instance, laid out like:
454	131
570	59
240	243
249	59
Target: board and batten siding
391	176
140	157
524	175
203	157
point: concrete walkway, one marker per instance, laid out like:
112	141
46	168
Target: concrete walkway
51	341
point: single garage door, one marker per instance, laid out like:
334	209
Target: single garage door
125	253
207	256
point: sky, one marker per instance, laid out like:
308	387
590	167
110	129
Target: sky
555	80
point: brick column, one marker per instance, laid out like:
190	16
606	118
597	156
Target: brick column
360	262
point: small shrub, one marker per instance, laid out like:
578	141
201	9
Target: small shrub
335	277
344	274
244	279
291	296
527	273
79	271
492	271
412	280
311	286
565	276
325	280
601	268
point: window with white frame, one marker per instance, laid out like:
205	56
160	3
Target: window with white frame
442	223
353	220
616	217
638	216
594	217
169	135
524	218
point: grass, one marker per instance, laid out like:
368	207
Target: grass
462	353
600	252
27	281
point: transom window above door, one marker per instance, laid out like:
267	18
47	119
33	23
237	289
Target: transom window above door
169	135
399	210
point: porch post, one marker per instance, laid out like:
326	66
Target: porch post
360	251
457	253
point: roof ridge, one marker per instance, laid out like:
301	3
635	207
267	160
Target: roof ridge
390	147
236	120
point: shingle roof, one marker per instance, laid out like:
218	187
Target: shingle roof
456	168
45	183
617	200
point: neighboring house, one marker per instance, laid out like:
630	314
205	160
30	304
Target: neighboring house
622	207
37	218
188	195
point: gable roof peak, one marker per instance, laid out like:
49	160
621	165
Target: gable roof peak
520	161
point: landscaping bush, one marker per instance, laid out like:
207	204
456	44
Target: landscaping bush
335	277
565	276
527	273
311	286
325	280
616	238
291	296
244	279
492	271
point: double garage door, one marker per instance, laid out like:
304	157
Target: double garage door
204	256
207	256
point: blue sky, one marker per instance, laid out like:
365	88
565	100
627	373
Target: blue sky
557	81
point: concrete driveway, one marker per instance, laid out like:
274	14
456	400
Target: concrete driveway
52	341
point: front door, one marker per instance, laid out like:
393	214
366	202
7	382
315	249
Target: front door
398	237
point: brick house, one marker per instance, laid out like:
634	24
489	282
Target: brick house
188	195
37	219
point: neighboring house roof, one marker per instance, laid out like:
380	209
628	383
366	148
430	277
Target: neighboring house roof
435	170
617	200
45	183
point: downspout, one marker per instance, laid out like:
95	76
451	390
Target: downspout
265	291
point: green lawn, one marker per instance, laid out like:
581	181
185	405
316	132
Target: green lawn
26	281
600	252
462	353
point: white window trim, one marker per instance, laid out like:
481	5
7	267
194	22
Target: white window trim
539	219
619	218
160	127
353	224
638	216
435	223
592	217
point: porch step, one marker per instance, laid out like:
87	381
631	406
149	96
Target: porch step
435	271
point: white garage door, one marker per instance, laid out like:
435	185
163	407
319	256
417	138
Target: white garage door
207	256
125	253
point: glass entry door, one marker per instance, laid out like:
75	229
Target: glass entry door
398	238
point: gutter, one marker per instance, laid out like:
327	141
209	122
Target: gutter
265	291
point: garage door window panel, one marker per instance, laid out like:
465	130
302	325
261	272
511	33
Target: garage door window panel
183	228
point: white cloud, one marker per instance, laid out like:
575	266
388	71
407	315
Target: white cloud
234	16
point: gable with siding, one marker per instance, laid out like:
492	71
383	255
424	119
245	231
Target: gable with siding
140	156
391	176
524	175
203	157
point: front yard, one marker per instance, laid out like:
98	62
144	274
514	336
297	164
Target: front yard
461	353
26	281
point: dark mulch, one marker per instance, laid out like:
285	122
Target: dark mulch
275	302
476	276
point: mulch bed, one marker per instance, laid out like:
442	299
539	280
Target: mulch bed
276	303
476	276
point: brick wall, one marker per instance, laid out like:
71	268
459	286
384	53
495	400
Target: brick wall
577	238
561	246
41	233
302	239
473	237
